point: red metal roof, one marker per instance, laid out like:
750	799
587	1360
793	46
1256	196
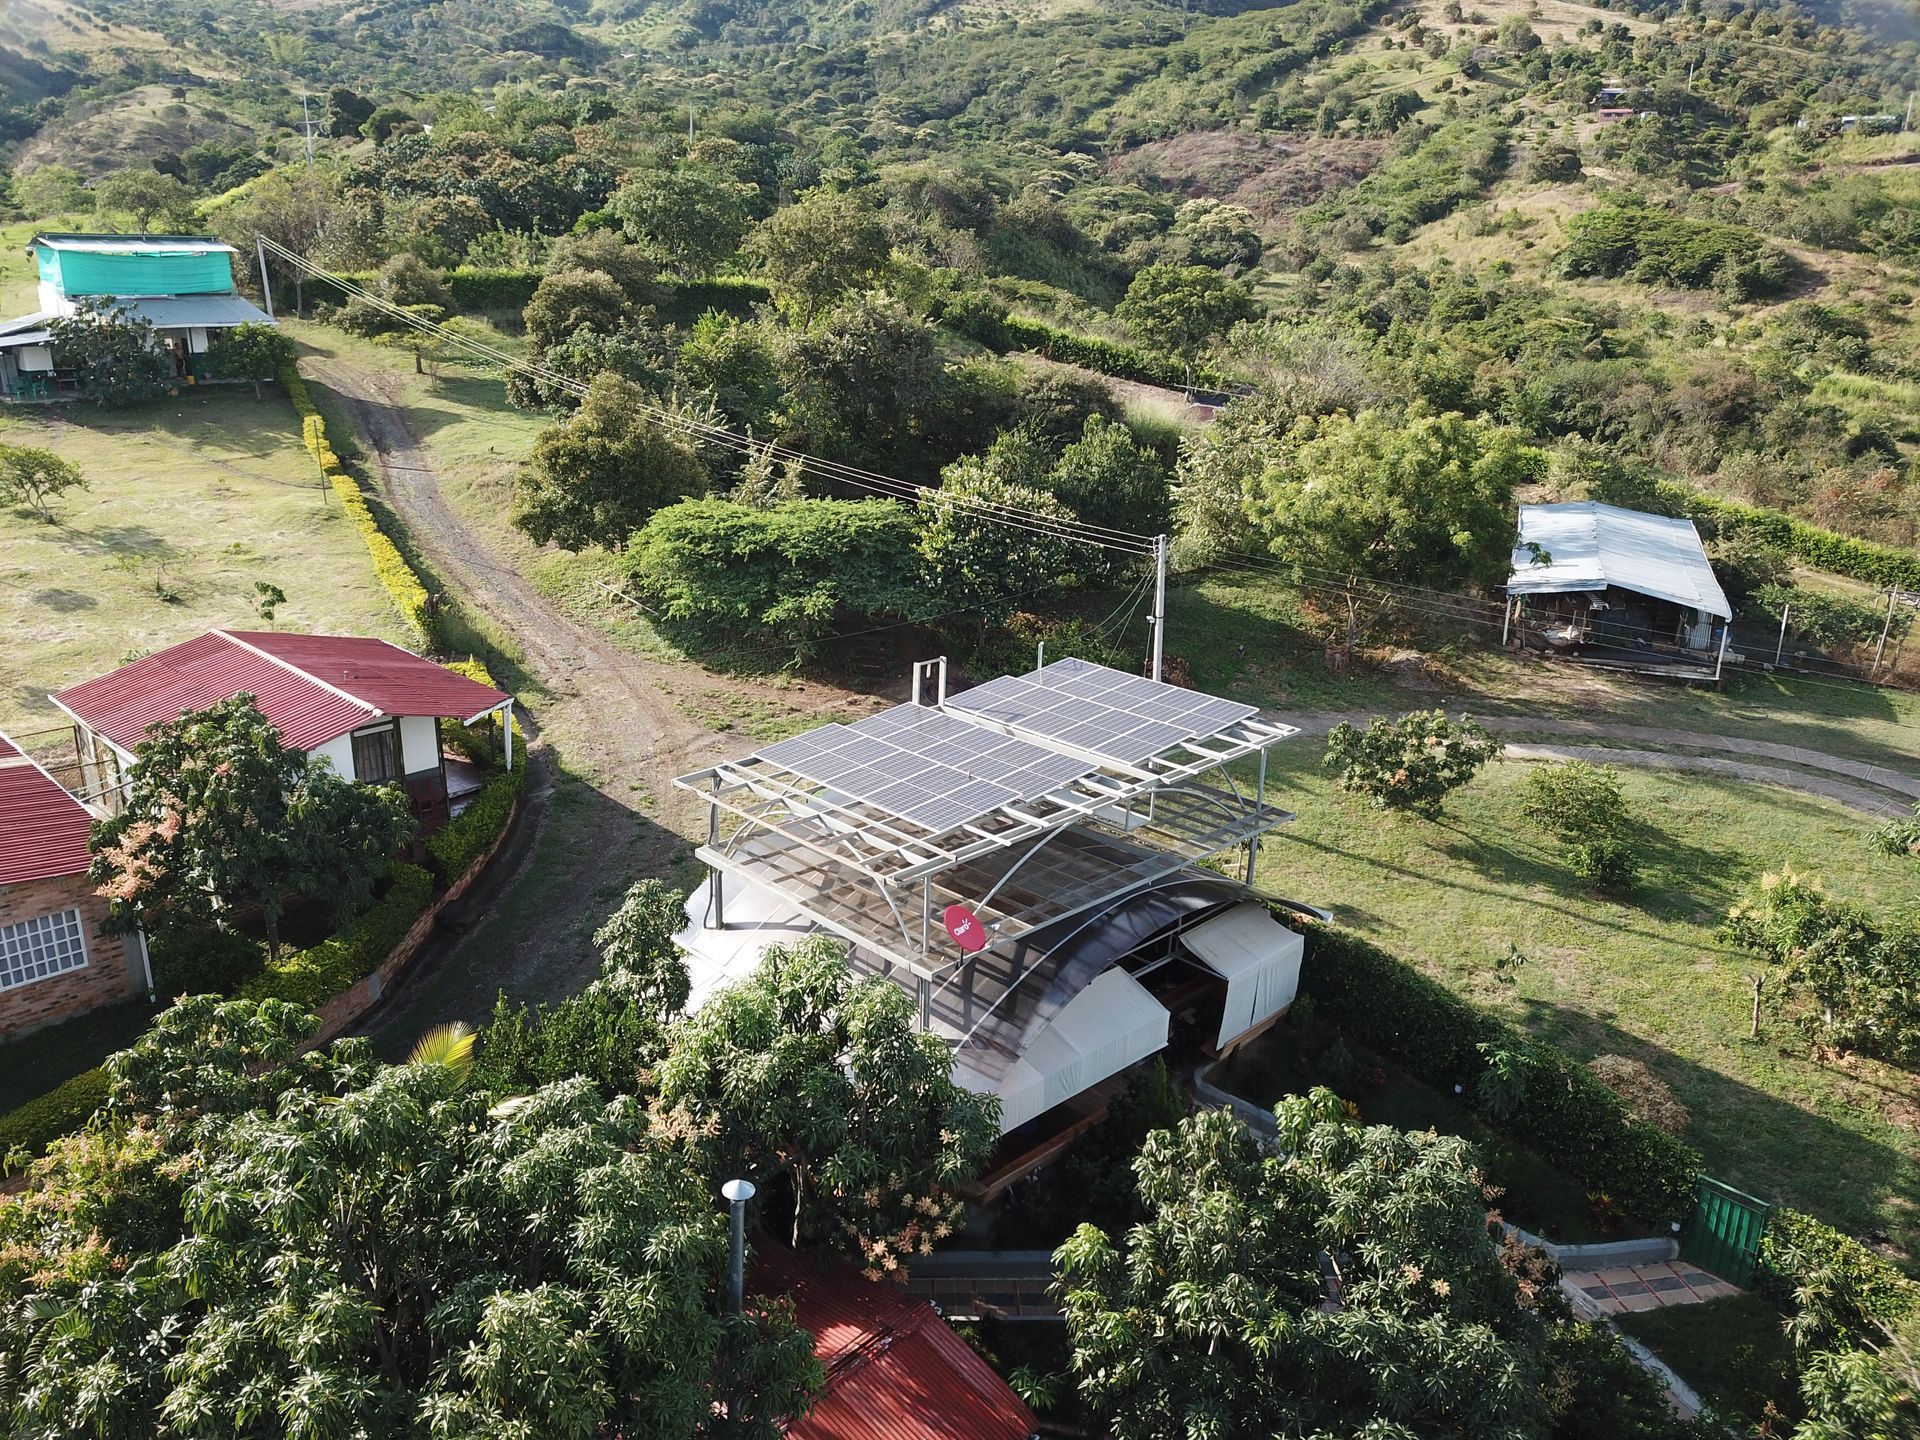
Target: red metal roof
895	1370
43	829
312	687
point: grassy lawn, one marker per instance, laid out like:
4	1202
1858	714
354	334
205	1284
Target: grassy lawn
49	1058
192	501
1645	978
1211	621
1733	1352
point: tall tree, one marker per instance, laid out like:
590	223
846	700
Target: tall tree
803	1072
1180	309
222	814
1344	1282
596	476
569	301
817	250
338	1247
1420	499
692	217
144	195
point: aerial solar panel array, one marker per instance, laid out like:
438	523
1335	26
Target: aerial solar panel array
924	766
1126	718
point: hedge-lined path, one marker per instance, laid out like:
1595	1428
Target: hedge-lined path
606	816
1875	790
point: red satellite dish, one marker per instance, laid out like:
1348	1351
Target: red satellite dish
965	928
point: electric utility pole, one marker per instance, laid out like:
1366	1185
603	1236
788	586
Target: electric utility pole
1158	620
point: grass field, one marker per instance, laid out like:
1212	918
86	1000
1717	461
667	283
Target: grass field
1733	1352
191	501
1644	978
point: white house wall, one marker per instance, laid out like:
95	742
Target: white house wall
418	750
339	752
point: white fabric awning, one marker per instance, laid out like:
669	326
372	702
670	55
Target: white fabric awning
1257	956
1111	1024
1584	545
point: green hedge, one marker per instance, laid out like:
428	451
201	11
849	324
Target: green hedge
1109	357
315	975
1796	1248
39	1122
466	839
403	584
482	290
1565	1113
1823	549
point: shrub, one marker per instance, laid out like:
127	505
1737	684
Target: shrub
249	352
1109	357
1582	805
38	1123
1821	620
313	976
1412	763
469	835
1645	1093
202	960
1899	837
1563	1112
1655	247
1844	1292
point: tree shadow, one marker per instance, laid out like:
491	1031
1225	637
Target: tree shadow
132	541
1784	1153
63	602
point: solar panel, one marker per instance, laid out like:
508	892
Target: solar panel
934	769
1122	717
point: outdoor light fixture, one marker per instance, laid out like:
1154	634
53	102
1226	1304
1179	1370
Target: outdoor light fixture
737	1194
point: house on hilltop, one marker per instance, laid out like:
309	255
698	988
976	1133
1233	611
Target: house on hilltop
1618	588
368	707
55	959
1027	859
181	284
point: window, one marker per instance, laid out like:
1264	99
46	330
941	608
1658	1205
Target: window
376	756
45	945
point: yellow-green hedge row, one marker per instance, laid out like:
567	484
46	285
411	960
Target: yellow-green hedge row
403	585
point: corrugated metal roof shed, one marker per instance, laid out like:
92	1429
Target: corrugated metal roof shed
1589	546
177	312
131	244
895	1370
43	829
336	684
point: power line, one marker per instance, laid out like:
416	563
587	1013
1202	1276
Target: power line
1036	521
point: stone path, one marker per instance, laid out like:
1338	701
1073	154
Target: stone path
1642	1287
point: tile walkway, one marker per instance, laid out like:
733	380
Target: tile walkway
1644	1287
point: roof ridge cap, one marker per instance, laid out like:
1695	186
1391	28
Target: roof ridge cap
312	679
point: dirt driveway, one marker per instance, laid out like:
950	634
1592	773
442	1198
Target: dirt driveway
602	810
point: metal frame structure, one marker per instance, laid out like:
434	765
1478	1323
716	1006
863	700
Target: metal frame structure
879	879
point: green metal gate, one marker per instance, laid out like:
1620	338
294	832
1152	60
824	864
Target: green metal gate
1722	1235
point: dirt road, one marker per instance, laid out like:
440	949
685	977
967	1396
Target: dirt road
602	810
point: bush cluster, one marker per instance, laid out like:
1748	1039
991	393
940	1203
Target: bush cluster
470	834
1823	620
1845	1291
1655	248
1582	805
38	1123
1559	1108
313	976
191	959
402	584
1109	357
1412	763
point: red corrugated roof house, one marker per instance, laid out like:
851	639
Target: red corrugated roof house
54	961
371	708
895	1369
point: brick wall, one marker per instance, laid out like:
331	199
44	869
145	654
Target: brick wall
113	970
